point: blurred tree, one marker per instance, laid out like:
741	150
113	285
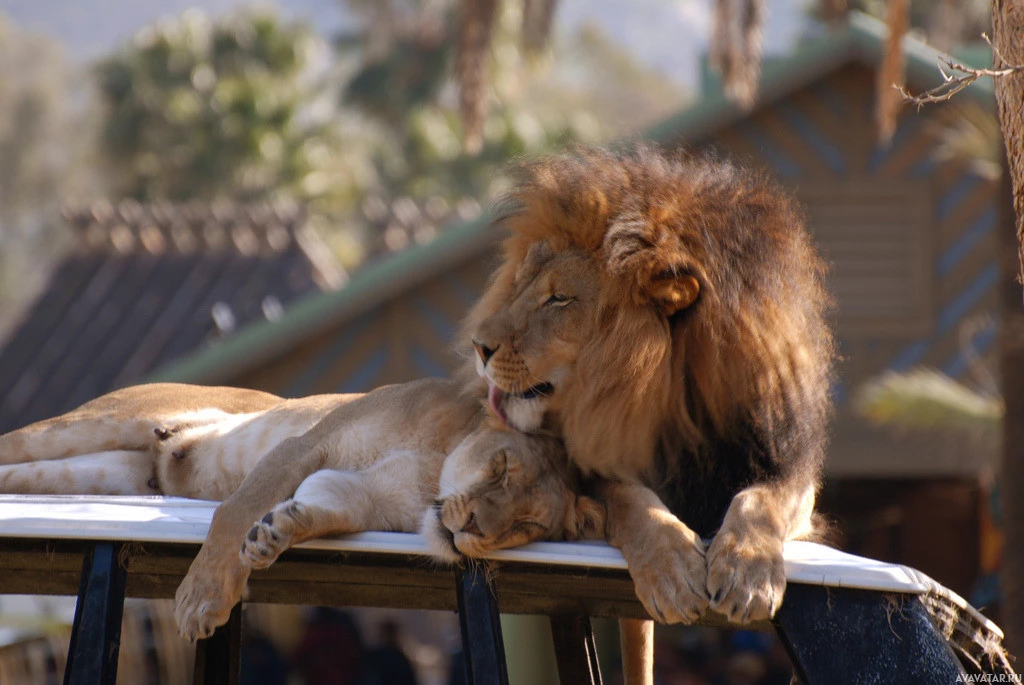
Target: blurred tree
404	52
238	107
432	29
945	23
1008	53
43	147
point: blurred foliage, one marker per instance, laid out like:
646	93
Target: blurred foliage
402	82
43	159
967	132
583	89
249	107
925	399
237	107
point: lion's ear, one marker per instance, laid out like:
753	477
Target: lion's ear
640	251
674	293
589	519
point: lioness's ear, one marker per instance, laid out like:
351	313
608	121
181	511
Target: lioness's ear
589	523
674	293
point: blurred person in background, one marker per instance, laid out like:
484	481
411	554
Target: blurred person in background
387	664
331	650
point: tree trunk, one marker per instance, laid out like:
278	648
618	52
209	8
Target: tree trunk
1008	40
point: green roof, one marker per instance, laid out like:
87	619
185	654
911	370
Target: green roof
862	41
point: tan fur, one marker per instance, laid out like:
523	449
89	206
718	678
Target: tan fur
377	463
671	311
111	445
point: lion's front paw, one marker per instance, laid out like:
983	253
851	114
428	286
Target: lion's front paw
669	573
269	537
746	576
206	596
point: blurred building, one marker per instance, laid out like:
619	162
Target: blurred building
146	284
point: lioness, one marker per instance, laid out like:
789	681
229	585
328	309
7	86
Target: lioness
377	463
420	455
667	312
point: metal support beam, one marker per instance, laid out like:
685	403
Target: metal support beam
96	632
219	657
842	636
575	650
482	646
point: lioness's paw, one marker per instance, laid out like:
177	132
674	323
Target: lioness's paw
670	575
746	576
206	596
269	537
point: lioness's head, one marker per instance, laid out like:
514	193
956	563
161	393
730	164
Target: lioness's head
646	302
501	488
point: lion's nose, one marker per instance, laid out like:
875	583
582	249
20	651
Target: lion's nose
471	527
484	351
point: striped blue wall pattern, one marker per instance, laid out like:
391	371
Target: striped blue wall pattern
982	344
951	315
952	197
465	294
442	326
968	241
321	365
834	100
780	163
810	134
925	167
906	132
363	379
839	394
425	364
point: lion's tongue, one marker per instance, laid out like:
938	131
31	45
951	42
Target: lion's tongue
494	396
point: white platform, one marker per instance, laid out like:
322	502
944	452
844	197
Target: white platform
173	519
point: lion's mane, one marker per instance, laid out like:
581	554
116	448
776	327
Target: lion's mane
734	389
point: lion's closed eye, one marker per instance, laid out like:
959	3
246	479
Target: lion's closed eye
529	528
558	300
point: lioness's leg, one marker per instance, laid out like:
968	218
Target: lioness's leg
216	579
328	502
106	473
746	575
665	558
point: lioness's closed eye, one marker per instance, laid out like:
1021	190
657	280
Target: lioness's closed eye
502	489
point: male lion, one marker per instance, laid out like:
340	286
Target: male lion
668	312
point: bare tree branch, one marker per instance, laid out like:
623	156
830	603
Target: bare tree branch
954	83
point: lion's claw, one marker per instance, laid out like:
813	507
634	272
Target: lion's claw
670	579
746	578
206	596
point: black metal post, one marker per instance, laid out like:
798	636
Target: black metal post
482	647
575	650
842	636
96	632
219	657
